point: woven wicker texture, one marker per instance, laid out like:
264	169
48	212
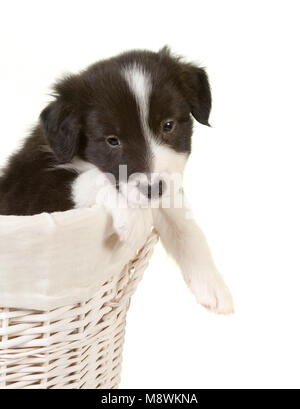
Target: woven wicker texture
72	347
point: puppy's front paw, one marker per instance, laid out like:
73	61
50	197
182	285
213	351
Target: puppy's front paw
212	293
133	226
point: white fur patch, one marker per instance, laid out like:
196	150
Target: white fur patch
86	186
186	243
163	158
93	187
77	165
167	159
140	84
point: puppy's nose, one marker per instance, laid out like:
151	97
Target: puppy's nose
154	190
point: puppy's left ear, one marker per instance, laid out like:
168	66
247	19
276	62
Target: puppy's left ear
196	88
193	83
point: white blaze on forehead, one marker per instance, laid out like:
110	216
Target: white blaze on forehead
164	159
140	84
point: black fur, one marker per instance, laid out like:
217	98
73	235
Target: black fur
87	108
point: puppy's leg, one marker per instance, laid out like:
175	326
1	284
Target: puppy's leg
93	187
186	243
133	225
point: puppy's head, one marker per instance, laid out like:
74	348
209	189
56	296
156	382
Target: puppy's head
132	111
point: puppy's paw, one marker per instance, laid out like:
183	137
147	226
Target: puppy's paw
212	293
133	226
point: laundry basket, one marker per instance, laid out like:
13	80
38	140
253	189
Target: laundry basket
65	288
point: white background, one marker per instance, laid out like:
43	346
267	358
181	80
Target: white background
243	176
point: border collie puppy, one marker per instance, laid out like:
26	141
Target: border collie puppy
131	111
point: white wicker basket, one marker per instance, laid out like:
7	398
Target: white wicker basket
67	346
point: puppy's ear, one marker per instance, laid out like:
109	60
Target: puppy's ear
193	84
197	92
62	130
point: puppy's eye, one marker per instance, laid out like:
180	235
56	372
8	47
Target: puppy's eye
113	141
168	126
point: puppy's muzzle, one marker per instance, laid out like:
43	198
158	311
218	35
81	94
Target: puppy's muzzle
154	190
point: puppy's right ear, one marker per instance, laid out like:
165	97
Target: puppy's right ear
62	129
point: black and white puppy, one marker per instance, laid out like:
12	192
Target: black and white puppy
132	111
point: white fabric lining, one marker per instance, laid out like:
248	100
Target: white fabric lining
51	260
